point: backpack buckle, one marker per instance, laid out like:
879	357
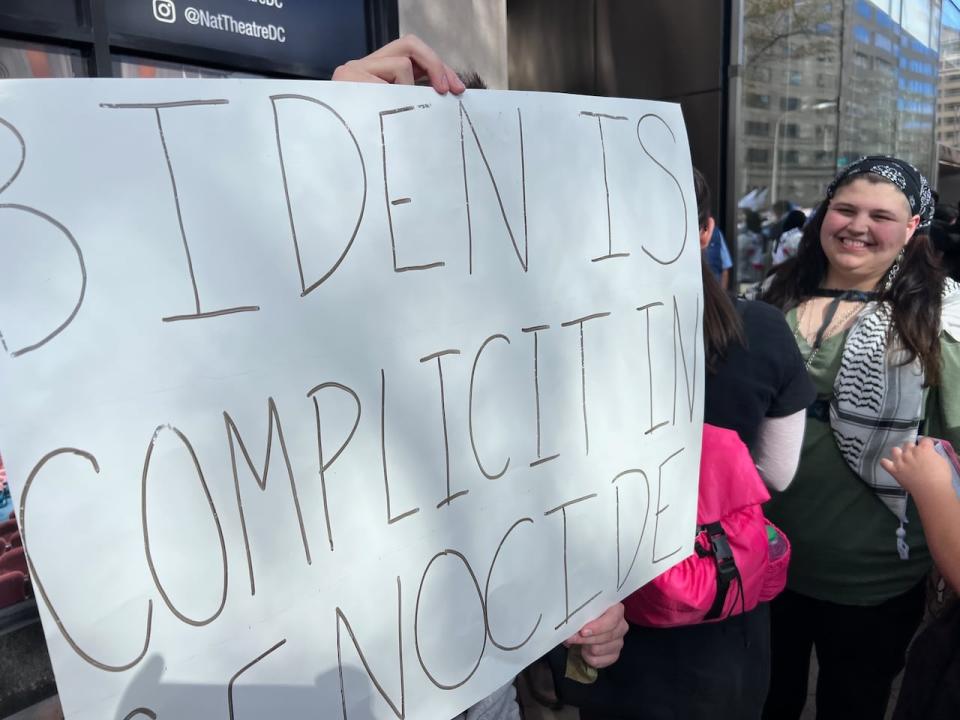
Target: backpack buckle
720	544
726	564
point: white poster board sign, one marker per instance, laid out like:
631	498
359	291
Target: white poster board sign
333	400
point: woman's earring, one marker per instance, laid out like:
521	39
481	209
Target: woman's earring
894	270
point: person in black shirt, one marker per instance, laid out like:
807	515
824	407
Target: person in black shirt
756	384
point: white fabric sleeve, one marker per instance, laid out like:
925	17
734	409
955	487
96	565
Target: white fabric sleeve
777	450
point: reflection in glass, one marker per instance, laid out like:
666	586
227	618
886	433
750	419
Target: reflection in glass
32	60
787	134
948	103
129	66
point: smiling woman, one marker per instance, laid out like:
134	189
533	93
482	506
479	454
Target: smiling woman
868	223
878	325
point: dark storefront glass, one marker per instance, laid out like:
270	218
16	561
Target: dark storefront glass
54	11
32	60
130	66
310	37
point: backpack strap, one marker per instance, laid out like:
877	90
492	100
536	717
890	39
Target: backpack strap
727	570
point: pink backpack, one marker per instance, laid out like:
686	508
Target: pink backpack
740	557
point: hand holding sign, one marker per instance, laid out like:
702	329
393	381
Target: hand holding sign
402	62
601	640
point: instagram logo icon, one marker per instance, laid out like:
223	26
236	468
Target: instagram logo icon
165	11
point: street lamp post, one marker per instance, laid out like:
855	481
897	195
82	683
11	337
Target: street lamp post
776	140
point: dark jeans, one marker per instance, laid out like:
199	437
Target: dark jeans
860	650
713	671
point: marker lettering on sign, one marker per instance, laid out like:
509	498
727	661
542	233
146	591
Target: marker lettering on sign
654	426
473	442
242	670
451	634
146	534
660	510
325	465
38	581
621	580
342	618
535	329
690	379
59	226
606	183
522	257
566	577
157	107
145	711
304	288
23	153
383	452
683	199
416	619
273	419
583	373
443	421
402	201
486	594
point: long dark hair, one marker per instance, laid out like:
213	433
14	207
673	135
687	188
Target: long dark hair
945	238
721	322
914	296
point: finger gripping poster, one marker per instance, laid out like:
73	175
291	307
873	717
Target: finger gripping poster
339	401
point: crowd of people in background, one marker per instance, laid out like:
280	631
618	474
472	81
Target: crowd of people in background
767	240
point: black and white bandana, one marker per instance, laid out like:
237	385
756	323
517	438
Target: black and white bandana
905	176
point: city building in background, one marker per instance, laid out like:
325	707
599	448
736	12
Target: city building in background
948	103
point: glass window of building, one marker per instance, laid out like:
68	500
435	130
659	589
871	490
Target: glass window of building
130	66
33	60
948	104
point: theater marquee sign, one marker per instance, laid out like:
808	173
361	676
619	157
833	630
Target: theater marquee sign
312	35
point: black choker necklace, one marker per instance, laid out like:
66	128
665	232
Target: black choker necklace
852	295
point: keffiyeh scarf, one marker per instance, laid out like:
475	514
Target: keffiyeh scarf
877	402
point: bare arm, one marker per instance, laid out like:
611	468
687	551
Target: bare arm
926	476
